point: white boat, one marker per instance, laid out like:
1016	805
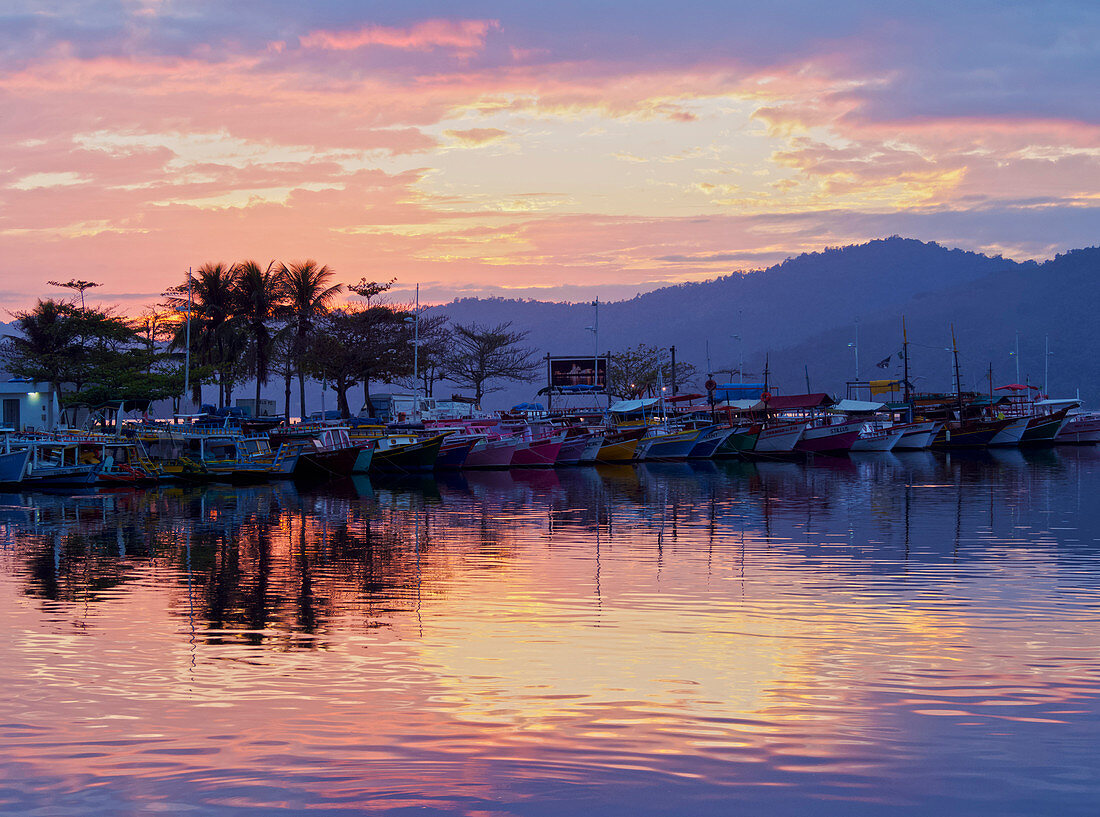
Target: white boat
1012	433
592	449
919	435
878	439
779	438
1083	427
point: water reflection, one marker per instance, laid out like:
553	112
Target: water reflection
887	631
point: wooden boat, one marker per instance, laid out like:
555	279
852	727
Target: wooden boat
573	446
918	435
829	437
742	440
592	448
1012	433
620	445
878	439
1081	428
406	453
1043	429
969	433
779	438
538	453
663	444
453	451
709	441
13	465
491	452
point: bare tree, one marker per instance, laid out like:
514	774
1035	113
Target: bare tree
480	355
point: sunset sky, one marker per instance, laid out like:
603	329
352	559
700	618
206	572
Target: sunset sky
556	150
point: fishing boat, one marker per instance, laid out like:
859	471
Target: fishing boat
918	435
778	438
1081	428
741	440
454	450
620	444
1012	433
13	463
491	452
406	453
828	438
878	439
974	433
1043	429
592	448
55	464
573	446
709	441
664	443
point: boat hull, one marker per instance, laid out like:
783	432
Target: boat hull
975	434
675	446
708	443
879	441
414	458
537	453
918	436
779	439
491	454
829	439
1044	429
1012	433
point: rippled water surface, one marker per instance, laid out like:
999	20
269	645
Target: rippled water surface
903	635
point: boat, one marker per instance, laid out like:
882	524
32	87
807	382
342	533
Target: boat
878	439
539	452
663	443
918	435
778	438
592	448
13	464
406	453
620	444
709	441
1012	433
454	450
490	452
1043	429
828	437
741	440
323	451
573	446
974	433
1081	428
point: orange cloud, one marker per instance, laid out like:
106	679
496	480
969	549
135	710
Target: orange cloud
474	137
457	34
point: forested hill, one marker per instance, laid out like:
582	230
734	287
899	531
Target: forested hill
804	313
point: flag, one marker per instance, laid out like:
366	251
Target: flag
884	363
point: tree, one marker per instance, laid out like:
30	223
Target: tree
258	302
638	371
77	285
479	355
309	296
214	340
48	343
337	354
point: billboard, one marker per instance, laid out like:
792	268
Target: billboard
578	373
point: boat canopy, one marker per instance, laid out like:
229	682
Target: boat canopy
1016	387
679	398
858	406
791	402
1059	402
728	392
628	406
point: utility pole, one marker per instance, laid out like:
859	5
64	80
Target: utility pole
187	342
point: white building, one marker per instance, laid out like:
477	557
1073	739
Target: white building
28	406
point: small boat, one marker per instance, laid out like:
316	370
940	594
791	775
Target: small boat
537	453
573	446
878	439
620	445
664	444
918	435
489	452
323	451
1012	433
741	440
13	465
1081	428
709	441
406	453
454	450
592	448
830	437
969	433
779	438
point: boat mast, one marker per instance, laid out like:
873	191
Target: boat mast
905	368
958	378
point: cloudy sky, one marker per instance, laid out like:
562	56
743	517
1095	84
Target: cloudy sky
555	149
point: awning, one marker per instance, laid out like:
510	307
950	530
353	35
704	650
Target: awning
679	398
791	402
858	406
1016	387
628	406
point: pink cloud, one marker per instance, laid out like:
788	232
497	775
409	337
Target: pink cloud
430	34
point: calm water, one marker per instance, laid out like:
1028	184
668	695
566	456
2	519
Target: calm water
903	634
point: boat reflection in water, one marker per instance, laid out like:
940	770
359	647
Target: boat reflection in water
891	632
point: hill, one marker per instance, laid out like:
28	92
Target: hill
804	311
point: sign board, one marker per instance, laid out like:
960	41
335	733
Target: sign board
578	374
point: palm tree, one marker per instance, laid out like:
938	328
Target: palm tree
259	301
212	303
309	296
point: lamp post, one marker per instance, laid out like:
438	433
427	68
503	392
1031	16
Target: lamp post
187	344
855	347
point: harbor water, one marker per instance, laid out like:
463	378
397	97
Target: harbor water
892	634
